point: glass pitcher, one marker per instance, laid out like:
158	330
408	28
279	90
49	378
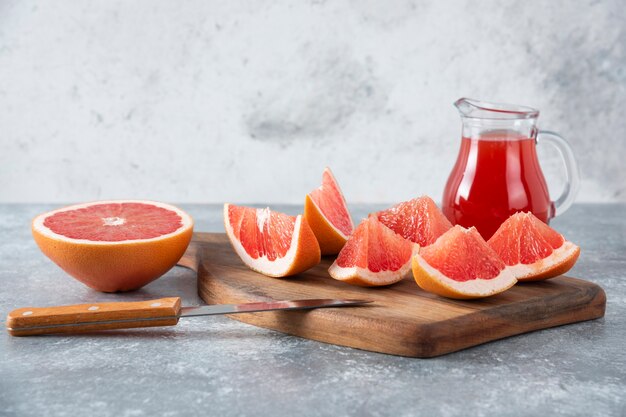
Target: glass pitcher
497	172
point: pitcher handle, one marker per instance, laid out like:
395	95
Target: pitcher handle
572	171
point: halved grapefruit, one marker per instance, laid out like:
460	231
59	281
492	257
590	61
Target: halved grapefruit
326	211
418	220
373	256
532	249
114	245
461	265
272	243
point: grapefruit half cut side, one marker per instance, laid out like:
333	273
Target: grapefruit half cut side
373	256
533	250
272	243
326	211
114	245
461	265
418	220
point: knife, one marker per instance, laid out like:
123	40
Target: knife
29	321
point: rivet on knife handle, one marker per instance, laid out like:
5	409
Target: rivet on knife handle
93	317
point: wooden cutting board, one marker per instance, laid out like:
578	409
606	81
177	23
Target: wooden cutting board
403	320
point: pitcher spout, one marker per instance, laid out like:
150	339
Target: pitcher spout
476	109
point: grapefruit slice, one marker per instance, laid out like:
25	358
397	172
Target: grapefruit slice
114	245
326	211
373	256
269	242
461	265
418	220
532	249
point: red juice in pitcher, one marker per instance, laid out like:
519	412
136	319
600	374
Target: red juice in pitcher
496	174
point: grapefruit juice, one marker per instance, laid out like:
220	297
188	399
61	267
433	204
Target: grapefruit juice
495	175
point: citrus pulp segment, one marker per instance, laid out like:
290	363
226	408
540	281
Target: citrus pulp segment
326	211
532	249
418	220
114	245
461	265
272	243
373	256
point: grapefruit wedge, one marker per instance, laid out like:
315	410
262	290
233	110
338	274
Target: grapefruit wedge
461	265
418	220
373	256
272	243
532	249
326	212
114	245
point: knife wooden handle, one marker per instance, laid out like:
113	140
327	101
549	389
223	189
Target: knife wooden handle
78	318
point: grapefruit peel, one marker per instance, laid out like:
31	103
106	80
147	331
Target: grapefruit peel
558	263
364	276
331	237
301	255
523	232
112	266
433	280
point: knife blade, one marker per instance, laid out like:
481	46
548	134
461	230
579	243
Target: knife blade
78	318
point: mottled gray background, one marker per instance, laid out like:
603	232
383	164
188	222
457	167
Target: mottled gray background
207	101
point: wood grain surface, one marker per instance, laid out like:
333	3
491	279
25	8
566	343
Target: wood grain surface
77	318
404	320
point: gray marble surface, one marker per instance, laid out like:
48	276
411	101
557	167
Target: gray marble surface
215	366
210	101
